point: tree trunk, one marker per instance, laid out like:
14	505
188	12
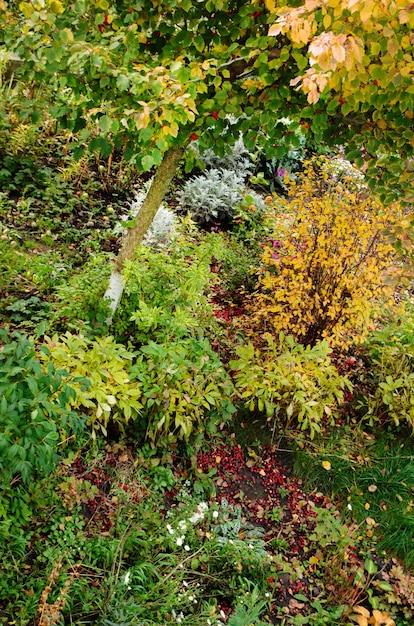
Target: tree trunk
135	235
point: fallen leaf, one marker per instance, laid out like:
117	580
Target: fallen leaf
218	459
294	605
260	512
361	610
326	465
372	488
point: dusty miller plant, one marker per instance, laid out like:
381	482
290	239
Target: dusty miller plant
215	195
162	227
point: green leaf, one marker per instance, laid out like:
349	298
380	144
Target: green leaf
122	82
105	123
370	566
147	162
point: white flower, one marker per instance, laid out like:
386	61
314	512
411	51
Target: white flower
222	614
187	548
215	514
170	529
349	506
267	594
127	578
180	540
199	514
182	525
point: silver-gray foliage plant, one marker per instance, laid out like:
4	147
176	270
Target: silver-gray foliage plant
163	225
216	194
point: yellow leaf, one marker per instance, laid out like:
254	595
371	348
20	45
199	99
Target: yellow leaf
361	620
26	8
275	30
56	7
327	21
361	610
313	560
326	465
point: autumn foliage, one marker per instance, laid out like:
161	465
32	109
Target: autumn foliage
322	268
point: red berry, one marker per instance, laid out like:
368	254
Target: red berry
193	136
215	115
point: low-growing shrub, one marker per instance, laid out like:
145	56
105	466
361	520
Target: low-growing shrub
292	384
391	362
323	266
99	371
34	414
215	195
166	289
79	303
185	387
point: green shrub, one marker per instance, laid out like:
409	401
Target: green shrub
391	361
34	412
185	387
79	302
166	290
289	382
100	372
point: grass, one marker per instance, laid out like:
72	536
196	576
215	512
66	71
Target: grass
373	477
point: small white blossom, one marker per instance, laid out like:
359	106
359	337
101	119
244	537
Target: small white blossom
187	548
170	529
267	594
182	526
349	506
199	514
127	578
180	540
215	514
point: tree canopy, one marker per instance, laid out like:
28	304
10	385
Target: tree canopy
153	74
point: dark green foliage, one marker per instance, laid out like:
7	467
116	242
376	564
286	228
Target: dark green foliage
33	413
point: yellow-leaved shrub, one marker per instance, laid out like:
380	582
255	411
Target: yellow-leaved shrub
322	268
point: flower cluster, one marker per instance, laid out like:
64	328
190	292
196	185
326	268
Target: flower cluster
181	529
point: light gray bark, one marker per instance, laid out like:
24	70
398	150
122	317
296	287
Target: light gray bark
135	235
